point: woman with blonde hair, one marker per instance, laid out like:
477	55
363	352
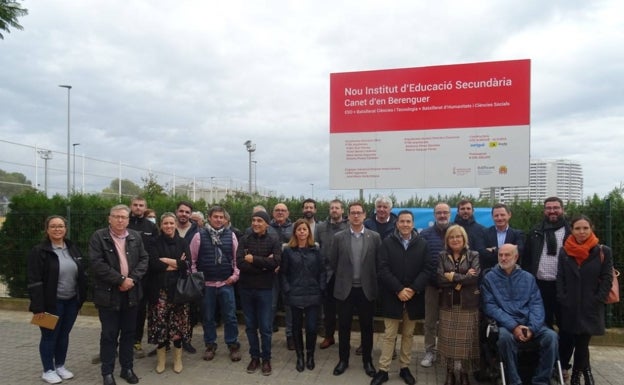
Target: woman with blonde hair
458	274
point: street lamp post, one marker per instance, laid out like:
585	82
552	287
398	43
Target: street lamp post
312	184
68	130
255	175
74	176
251	147
45	155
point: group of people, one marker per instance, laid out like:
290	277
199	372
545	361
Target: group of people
451	274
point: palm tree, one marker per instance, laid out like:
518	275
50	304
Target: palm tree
9	12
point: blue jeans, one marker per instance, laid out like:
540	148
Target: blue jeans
508	350
54	343
256	304
227	304
277	293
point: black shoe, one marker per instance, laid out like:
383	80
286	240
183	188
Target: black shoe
379	378
186	345
358	351
275	327
310	361
406	375
340	368
109	379
129	376
369	369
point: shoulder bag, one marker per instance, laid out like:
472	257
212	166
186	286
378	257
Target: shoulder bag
190	286
614	293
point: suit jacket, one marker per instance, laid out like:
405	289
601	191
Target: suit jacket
489	259
341	261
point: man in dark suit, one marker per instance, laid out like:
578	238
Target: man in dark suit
498	235
353	258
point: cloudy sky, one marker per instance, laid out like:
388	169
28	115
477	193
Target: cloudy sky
178	86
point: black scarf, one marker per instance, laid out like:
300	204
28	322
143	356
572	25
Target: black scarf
548	229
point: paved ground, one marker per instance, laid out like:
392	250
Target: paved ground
20	364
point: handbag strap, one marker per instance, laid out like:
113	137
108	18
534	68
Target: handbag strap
601	254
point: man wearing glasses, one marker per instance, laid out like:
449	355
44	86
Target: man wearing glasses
541	255
434	235
213	251
353	258
118	261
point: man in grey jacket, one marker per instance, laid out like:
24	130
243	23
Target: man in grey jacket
353	258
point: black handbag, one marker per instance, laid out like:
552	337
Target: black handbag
190	287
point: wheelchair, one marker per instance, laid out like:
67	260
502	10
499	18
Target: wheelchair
493	367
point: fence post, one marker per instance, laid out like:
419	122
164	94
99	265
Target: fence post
609	242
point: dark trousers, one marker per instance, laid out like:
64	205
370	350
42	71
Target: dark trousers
310	315
577	344
365	309
117	325
552	310
141	316
329	309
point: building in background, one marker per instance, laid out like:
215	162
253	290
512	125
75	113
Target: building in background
554	177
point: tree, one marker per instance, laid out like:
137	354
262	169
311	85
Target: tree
151	188
13	183
128	188
9	12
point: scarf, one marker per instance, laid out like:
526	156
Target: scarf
580	251
215	235
549	229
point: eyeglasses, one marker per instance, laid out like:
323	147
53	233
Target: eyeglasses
356	213
56	227
442	212
552	208
119	217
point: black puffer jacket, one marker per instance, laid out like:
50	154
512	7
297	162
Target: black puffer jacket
303	276
43	273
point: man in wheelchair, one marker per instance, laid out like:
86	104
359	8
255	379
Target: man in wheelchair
511	298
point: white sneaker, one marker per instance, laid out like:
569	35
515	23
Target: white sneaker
64	373
428	359
51	377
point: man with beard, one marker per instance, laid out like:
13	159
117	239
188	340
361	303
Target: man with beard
324	235
186	229
283	228
213	252
148	231
309	213
511	297
541	254
434	235
476	231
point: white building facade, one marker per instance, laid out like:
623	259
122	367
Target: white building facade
554	177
